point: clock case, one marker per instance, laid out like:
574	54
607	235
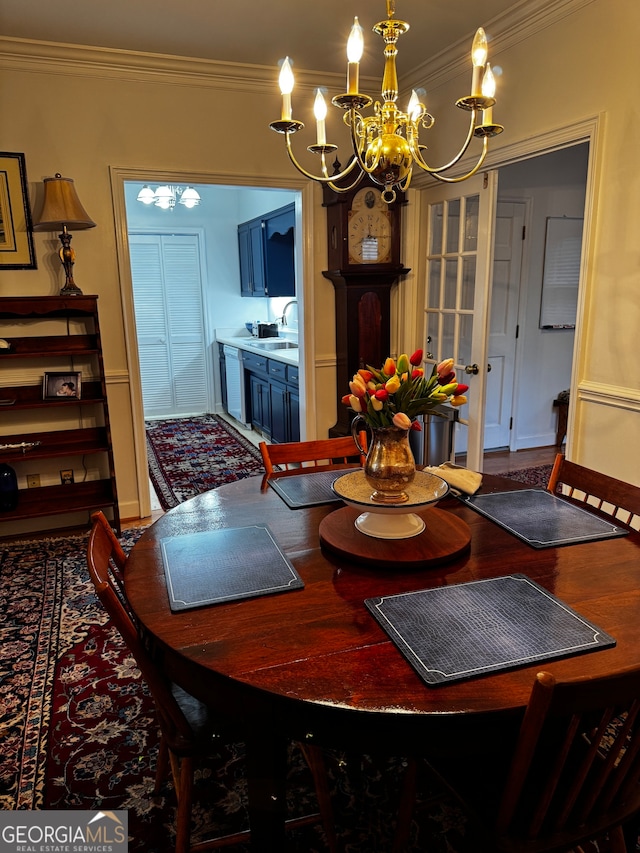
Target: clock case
362	295
338	207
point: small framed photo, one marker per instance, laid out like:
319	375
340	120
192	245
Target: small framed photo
62	386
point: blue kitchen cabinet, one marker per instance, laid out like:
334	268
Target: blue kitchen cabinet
267	254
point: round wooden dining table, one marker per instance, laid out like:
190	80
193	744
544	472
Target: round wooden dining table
314	665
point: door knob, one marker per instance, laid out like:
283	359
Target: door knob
473	368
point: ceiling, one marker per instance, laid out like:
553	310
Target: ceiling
255	32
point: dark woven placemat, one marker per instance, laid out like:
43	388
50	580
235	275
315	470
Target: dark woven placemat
224	565
301	490
541	519
457	632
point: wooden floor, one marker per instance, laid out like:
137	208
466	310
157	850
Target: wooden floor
497	461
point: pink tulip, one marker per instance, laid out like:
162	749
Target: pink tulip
357	388
401	420
445	367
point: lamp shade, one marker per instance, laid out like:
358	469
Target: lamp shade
62	207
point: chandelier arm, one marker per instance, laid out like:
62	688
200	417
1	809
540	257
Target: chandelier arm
471	173
343	189
326	179
357	140
404	186
434	170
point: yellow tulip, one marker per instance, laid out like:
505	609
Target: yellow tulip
392	385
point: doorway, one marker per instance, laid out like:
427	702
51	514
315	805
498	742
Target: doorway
543	188
184	266
484	308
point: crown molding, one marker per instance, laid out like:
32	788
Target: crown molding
113	64
523	20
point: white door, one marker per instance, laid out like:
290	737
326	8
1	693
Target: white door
503	323
167	291
460	222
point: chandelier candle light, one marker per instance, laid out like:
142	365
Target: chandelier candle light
389	400
386	145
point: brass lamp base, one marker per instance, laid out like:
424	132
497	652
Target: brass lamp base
70	290
68	257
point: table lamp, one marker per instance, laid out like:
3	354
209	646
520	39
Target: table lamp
62	209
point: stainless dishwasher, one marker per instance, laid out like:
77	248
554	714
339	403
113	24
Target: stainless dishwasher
234	372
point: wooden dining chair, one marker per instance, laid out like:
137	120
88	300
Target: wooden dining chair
305	454
597	491
189	730
572	779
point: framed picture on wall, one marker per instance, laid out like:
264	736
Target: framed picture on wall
62	386
16	237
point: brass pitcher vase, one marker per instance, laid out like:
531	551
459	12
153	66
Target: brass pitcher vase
389	467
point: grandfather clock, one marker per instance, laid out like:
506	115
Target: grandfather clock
364	262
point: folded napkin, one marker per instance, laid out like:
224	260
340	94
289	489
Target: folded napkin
460	479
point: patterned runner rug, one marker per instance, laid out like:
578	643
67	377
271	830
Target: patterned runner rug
78	728
188	456
537	477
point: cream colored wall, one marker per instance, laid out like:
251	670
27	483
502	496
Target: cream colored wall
73	119
82	117
582	67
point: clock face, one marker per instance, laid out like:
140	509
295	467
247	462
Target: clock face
369	235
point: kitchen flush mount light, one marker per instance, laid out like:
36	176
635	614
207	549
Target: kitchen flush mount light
165	197
386	145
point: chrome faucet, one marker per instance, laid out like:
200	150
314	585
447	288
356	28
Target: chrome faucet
283	319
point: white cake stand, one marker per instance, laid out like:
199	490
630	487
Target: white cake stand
390	521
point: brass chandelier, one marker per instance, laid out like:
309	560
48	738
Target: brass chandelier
386	145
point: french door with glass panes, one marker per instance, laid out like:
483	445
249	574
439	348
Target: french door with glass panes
459	227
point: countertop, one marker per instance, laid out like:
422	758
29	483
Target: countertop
250	344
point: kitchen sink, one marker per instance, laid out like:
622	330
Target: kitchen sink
271	344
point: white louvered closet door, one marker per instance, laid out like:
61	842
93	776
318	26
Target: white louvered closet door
167	289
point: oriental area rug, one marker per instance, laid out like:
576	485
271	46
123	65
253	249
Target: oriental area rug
78	729
536	477
188	456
